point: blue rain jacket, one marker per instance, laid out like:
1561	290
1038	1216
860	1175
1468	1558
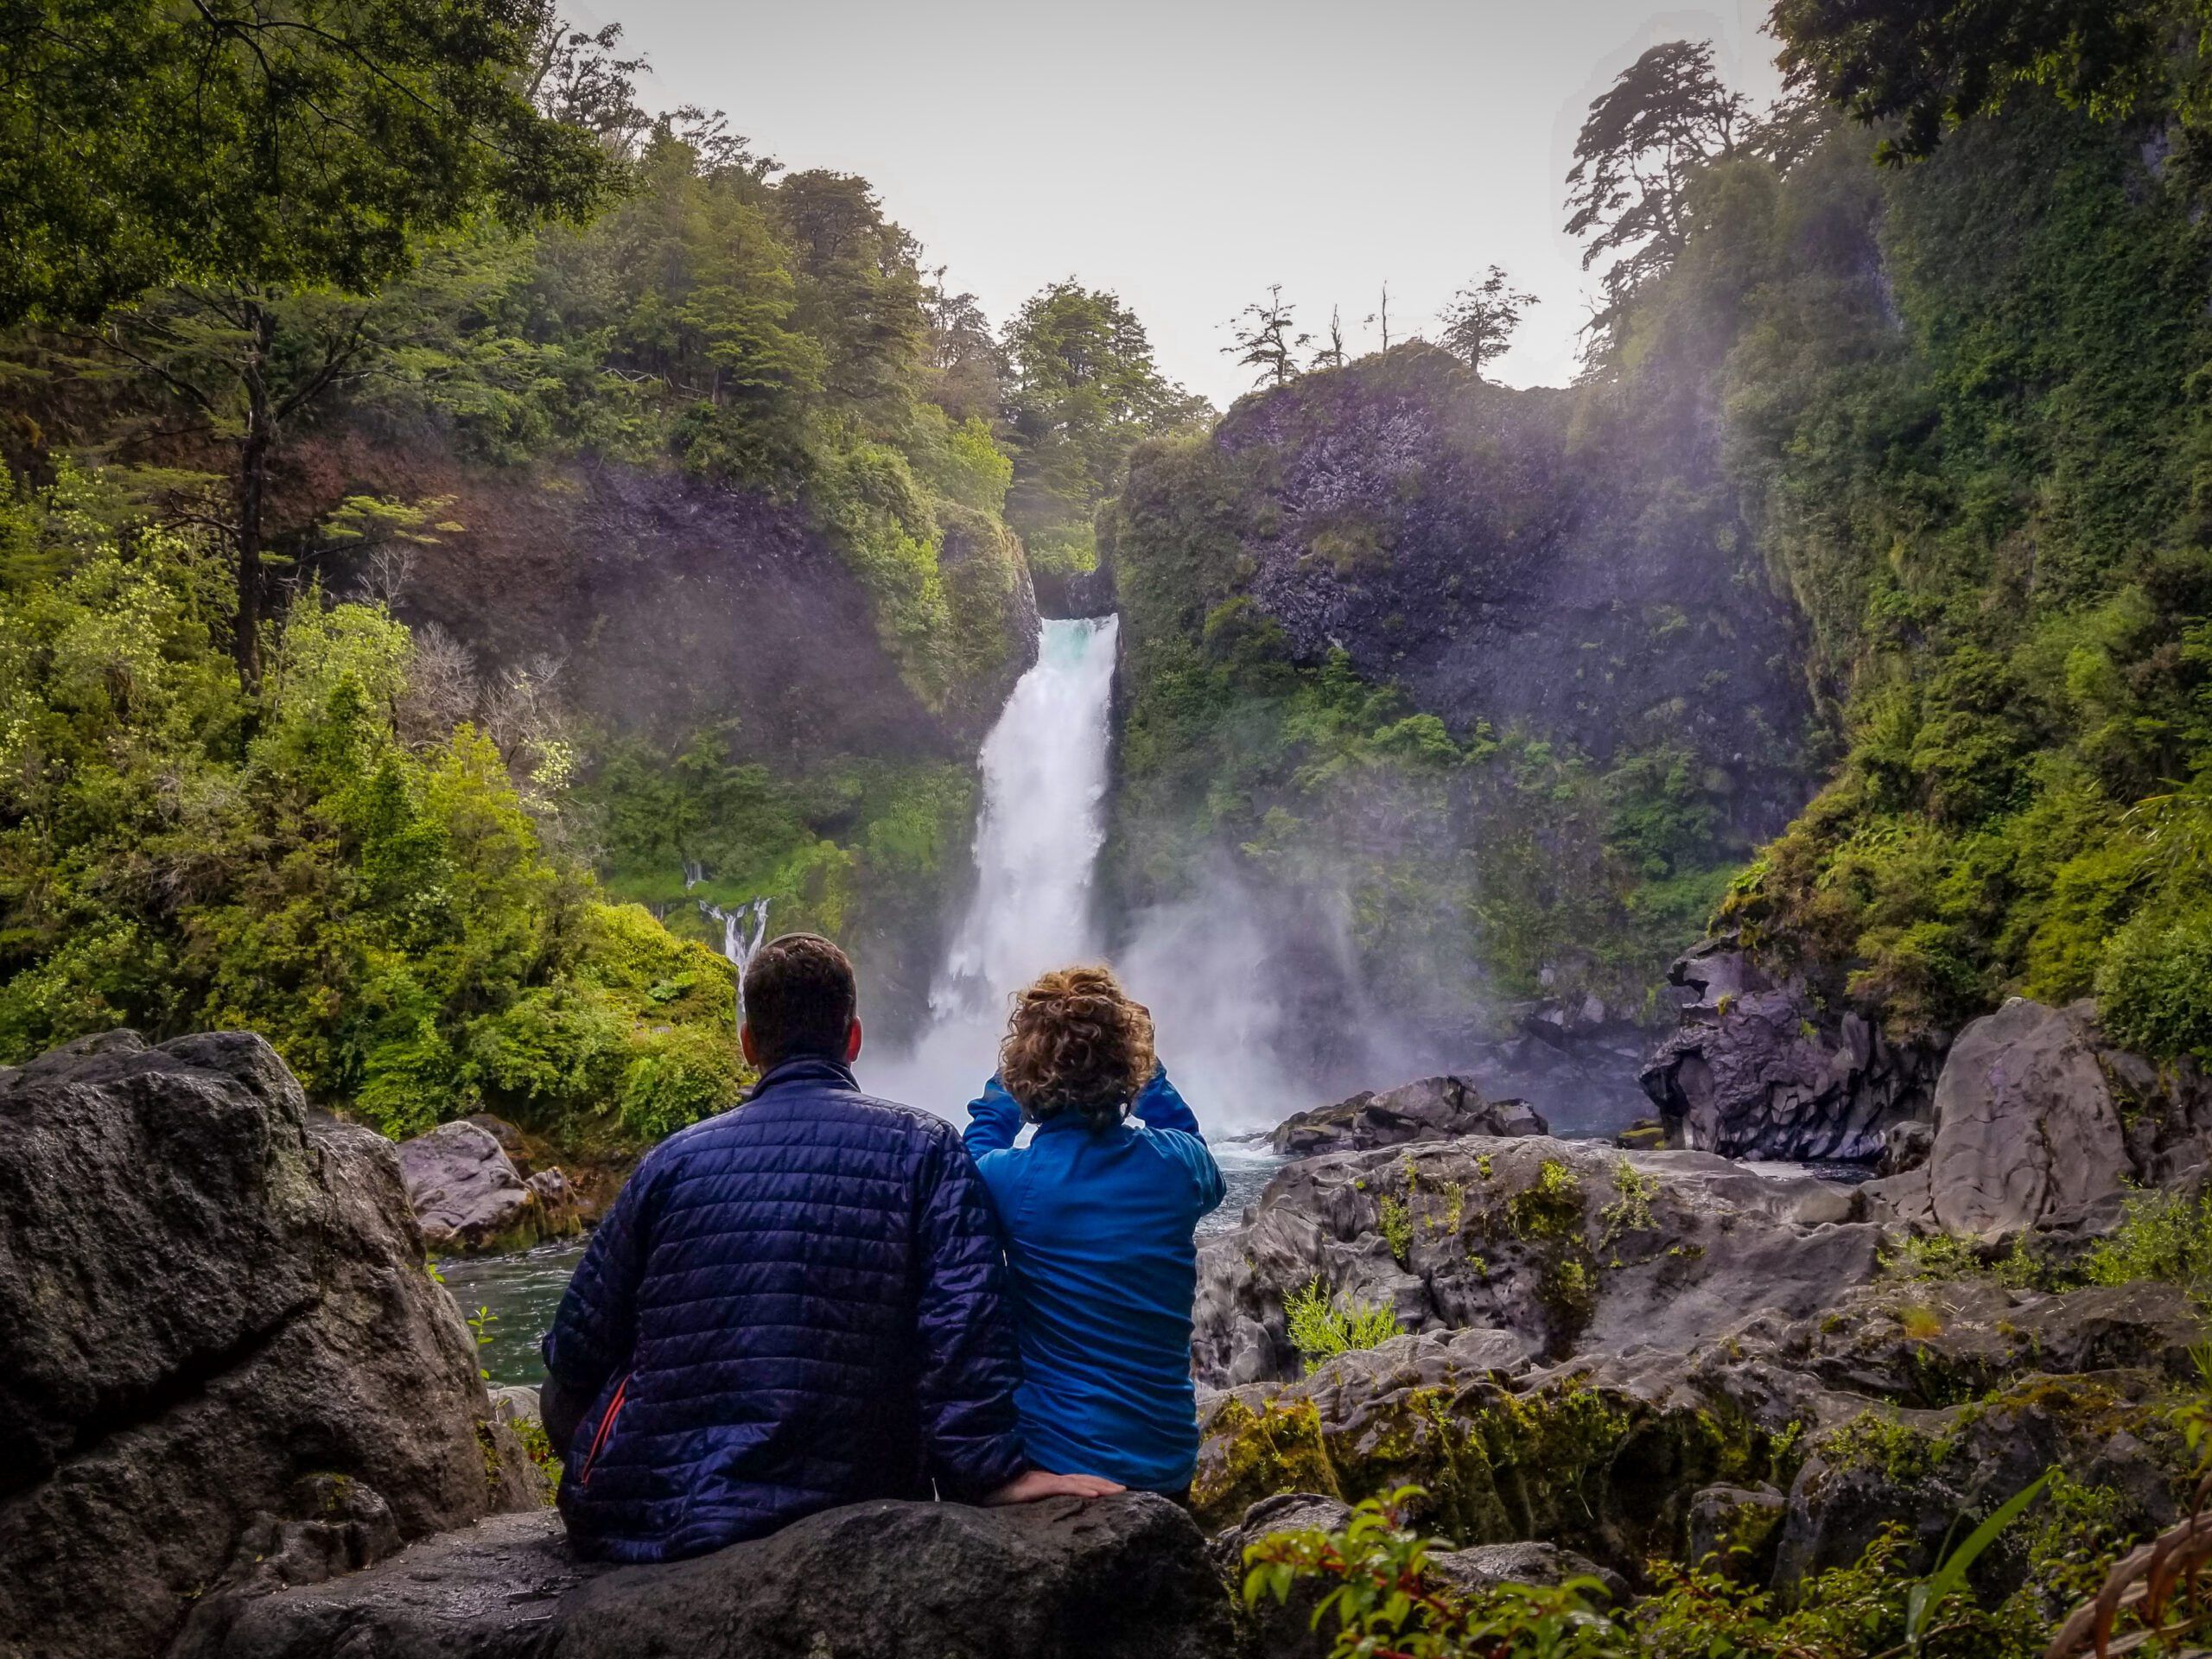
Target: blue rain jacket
1098	1227
795	1304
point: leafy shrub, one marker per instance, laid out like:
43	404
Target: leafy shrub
1320	1329
2154	986
1380	1597
674	1079
2164	1234
180	853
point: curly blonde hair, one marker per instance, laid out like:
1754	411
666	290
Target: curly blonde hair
1077	1042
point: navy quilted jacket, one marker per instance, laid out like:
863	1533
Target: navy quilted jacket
796	1304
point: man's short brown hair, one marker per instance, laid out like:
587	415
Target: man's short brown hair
800	996
1077	1042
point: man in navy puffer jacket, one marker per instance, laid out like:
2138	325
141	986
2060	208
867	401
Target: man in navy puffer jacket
797	1304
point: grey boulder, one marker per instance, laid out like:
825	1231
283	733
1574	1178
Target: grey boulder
213	1316
2025	1127
1538	1247
1430	1109
1123	1578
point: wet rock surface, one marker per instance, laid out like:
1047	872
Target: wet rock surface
1630	1355
1758	1068
468	1196
214	1326
1561	1246
1124	1578
2025	1127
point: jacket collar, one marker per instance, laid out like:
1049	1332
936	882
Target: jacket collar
1074	1123
816	1069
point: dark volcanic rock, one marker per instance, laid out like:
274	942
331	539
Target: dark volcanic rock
1484	1566
1123	1578
1735	1529
468	1196
1503	563
1433	1108
211	1306
1926	1468
1756	1069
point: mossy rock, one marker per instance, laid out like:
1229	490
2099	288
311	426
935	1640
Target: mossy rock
1592	1468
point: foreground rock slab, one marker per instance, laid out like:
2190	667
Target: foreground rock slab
214	1324
1559	1247
1124	1578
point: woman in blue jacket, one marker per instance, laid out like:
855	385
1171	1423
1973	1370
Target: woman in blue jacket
1098	1213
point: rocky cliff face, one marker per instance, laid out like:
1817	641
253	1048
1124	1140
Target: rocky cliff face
219	1345
2031	1113
1759	1067
1479	693
1519	557
670	606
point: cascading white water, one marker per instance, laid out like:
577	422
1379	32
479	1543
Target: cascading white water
1037	841
1201	965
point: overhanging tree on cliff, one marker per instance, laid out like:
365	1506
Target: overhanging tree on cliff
268	166
265	141
1263	341
1929	65
1478	323
1643	143
1083	388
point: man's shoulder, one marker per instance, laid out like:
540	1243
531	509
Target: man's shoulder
895	1117
831	1111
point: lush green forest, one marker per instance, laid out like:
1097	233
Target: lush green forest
245	782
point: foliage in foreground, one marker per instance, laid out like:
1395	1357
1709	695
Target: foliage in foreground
332	860
2164	1234
1381	1599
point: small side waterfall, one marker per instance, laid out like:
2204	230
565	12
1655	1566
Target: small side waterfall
1037	841
744	930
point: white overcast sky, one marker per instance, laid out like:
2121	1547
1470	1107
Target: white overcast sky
1187	156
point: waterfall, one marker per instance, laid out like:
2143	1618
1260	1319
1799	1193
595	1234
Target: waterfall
1041	823
1203	966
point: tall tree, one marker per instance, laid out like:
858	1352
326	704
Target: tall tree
859	288
965	357
264	143
1478	323
239	370
1645	139
1382	315
1083	388
1263	341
